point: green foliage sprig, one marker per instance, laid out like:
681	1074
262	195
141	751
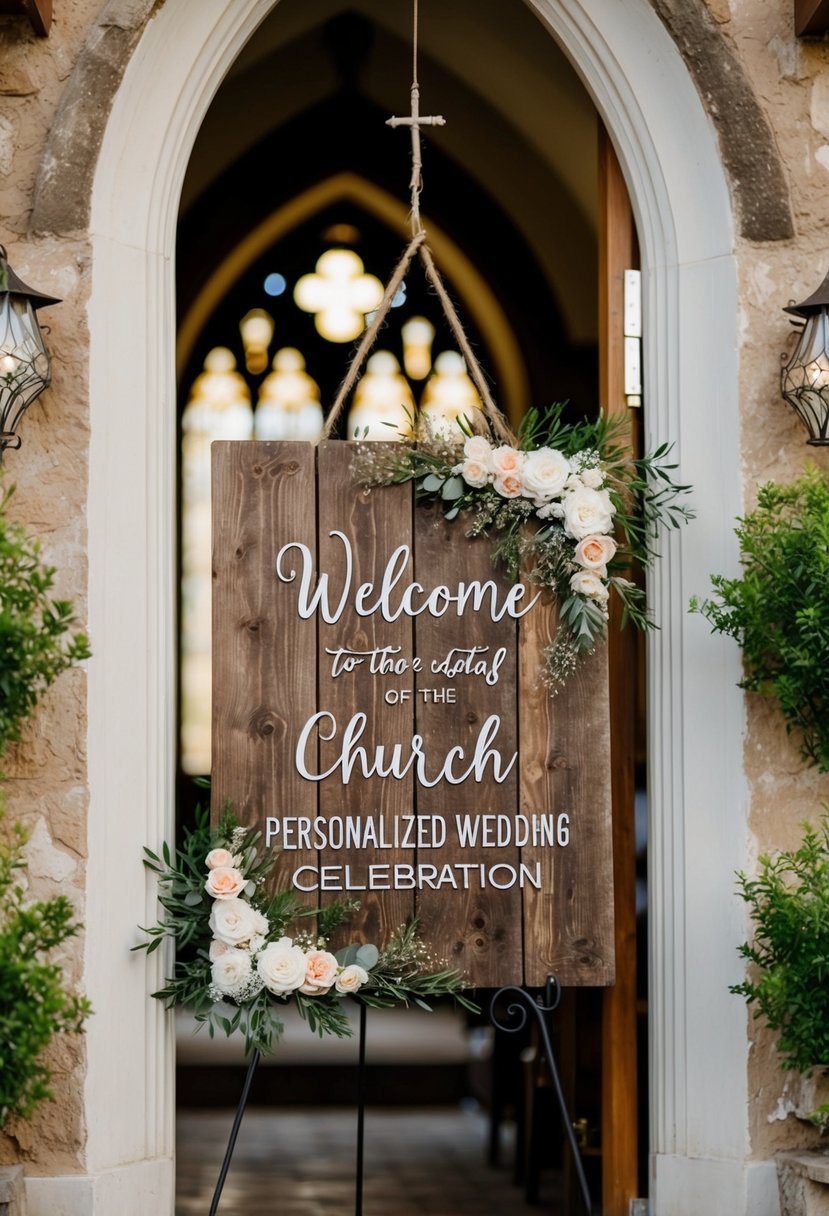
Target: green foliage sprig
36	644
789	986
778	611
34	1002
402	973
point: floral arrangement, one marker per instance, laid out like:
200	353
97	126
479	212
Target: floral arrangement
237	967
566	505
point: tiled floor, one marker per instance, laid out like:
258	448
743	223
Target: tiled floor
301	1163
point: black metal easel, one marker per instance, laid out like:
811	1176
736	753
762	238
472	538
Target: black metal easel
522	1003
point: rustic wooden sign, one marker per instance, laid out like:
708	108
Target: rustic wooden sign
377	711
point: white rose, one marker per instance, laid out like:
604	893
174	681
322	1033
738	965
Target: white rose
351	979
256	943
593	478
545	473
594	552
233	921
225	882
474	473
282	967
320	971
479	449
231	971
585	582
587	512
219	857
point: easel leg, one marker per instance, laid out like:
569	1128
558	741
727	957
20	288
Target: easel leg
361	1114
516	1013
234	1132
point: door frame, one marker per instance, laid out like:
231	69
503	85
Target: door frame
698	834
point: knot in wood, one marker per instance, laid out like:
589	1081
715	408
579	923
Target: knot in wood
558	761
262	724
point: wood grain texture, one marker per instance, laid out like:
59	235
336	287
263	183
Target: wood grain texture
264	655
376	523
478	930
565	740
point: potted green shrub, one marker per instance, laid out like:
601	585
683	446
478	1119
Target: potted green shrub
778	609
787	987
36	645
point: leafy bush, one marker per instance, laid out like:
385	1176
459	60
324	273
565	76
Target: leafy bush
35	640
779	610
34	1005
789	902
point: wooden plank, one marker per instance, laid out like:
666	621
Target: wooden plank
564	745
618	251
375	524
264	655
478	930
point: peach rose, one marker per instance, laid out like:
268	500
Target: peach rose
219	857
225	882
508	485
217	949
320	972
594	552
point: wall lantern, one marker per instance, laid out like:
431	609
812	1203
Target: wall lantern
804	381
39	13
25	366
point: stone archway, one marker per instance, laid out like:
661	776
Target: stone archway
173	63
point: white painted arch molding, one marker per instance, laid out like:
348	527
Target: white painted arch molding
671	161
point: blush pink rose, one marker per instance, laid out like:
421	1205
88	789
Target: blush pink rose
320	972
507	460
225	882
508	485
217	949
594	552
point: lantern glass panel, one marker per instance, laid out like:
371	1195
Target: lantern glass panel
25	366
805	379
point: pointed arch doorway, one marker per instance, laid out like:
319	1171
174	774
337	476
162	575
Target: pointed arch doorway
698	1155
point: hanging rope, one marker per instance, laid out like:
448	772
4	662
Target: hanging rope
418	245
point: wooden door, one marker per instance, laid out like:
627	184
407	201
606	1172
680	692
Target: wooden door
618	251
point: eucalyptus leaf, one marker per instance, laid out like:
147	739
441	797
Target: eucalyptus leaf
431	483
453	488
367	956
